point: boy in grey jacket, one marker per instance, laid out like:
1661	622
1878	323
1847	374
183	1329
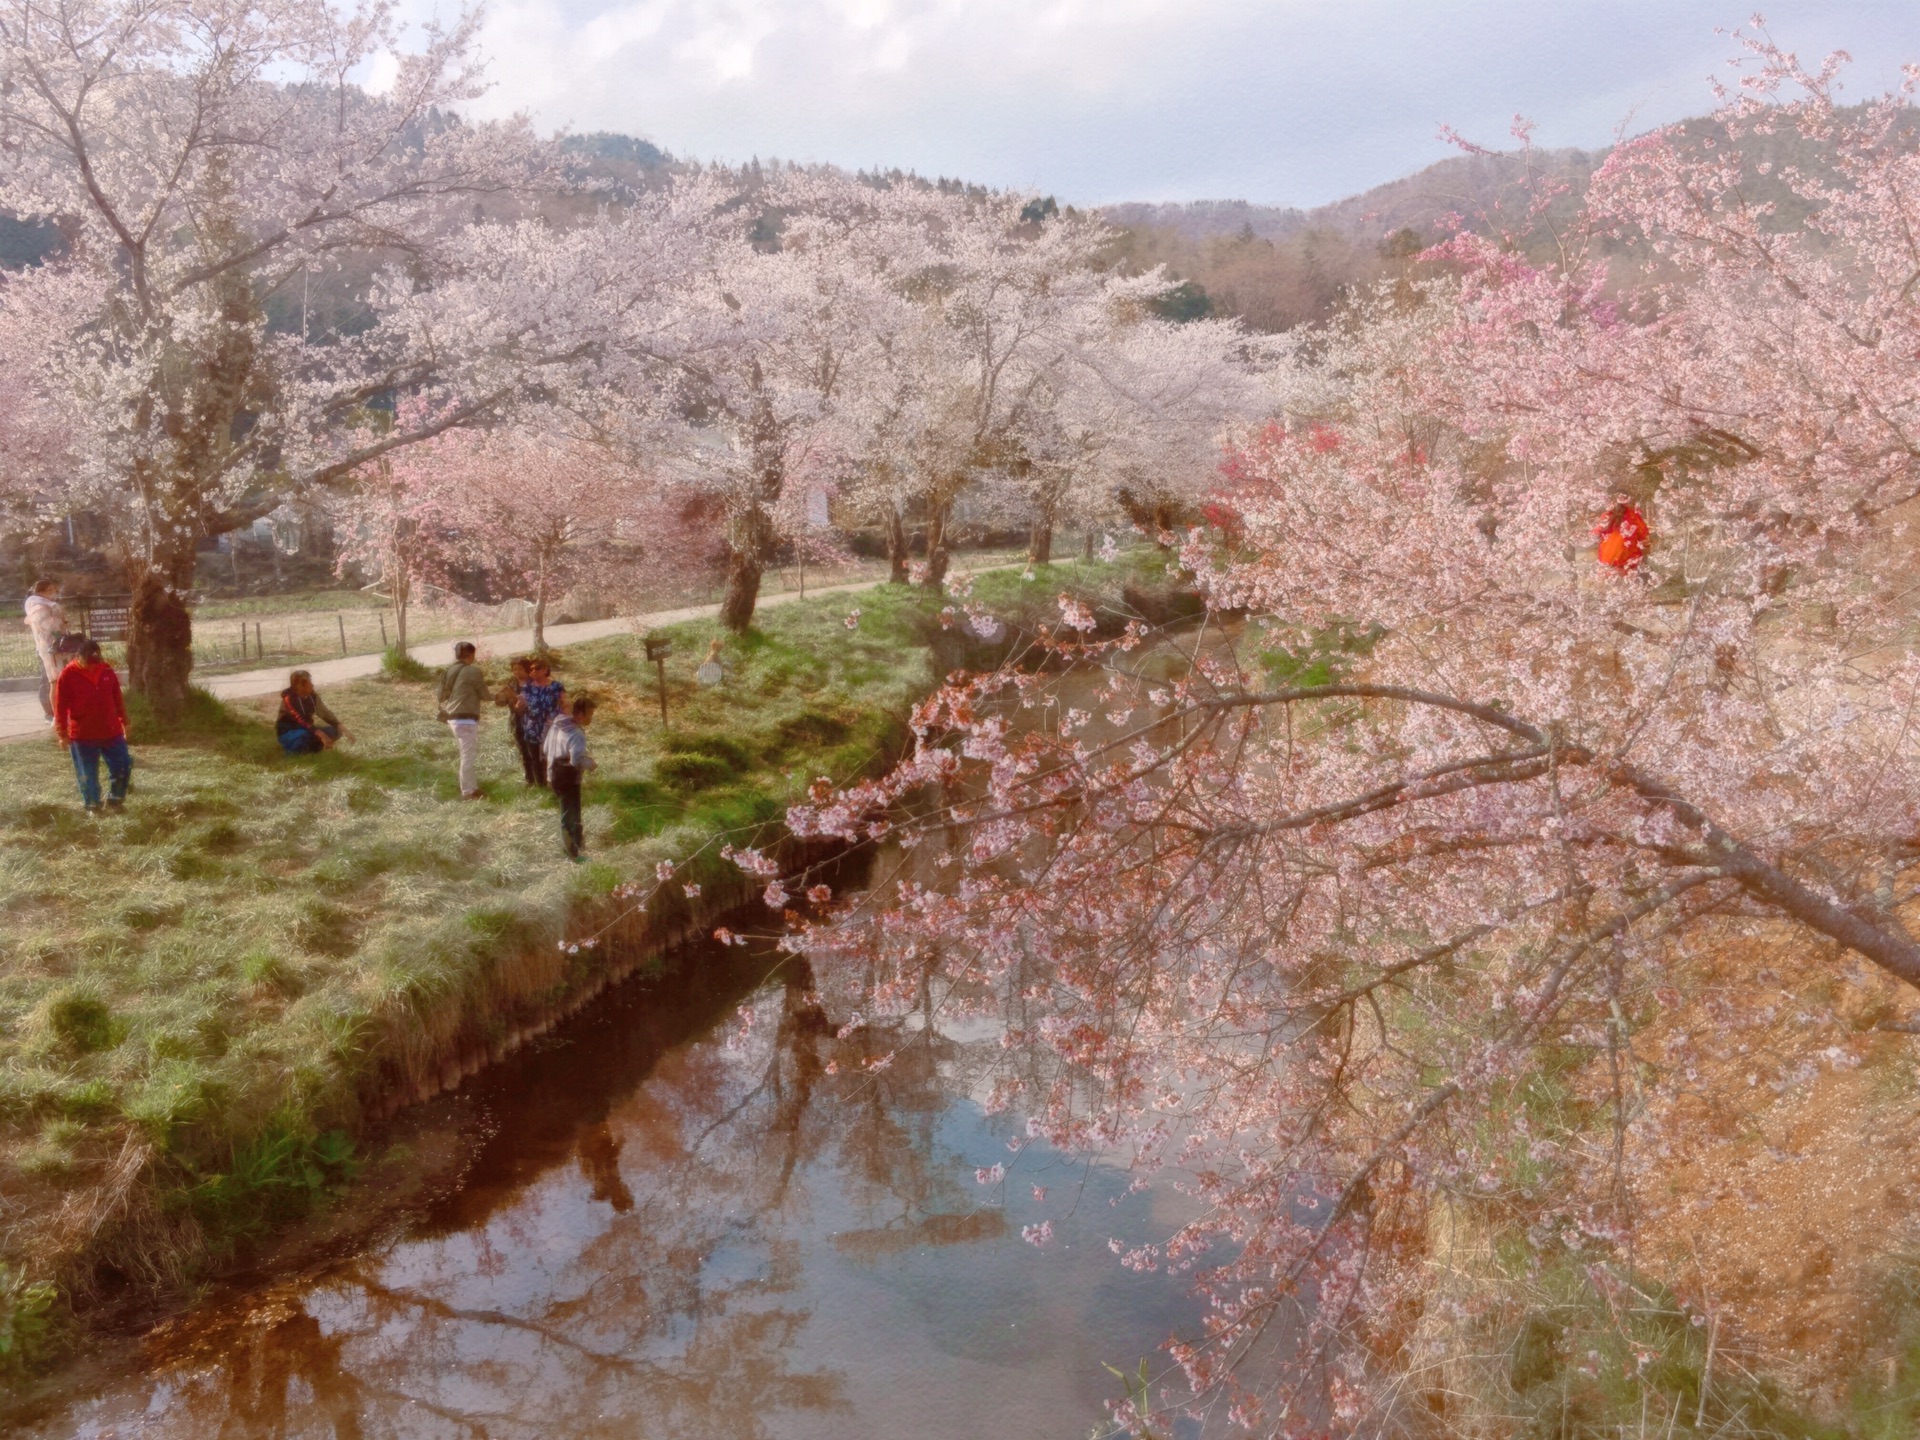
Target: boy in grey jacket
565	751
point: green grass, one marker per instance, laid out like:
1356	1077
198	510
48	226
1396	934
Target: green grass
220	977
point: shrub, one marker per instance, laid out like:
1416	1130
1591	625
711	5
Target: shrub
277	1174
397	664
724	748
812	727
270	972
25	1319
692	771
82	1020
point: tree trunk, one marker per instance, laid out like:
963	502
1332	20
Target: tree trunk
1040	542
746	563
897	547
160	629
400	569
937	557
540	608
743	591
1088	537
402	596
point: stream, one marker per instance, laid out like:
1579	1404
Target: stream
695	1212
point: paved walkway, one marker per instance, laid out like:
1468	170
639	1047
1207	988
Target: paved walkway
20	717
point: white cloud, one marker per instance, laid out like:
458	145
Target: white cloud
380	73
1290	101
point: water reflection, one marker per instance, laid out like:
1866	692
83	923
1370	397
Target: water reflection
769	1229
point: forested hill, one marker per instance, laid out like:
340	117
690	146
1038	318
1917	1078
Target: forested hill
1462	184
1273	266
1279	266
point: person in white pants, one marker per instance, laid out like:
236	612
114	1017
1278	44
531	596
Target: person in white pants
463	690
48	622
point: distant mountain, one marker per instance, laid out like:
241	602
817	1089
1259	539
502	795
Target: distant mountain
1466	185
1280	266
1274	266
621	149
25	242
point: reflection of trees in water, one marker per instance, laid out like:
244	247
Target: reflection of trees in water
675	1314
405	1361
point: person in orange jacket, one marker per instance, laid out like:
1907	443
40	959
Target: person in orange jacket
90	716
1623	536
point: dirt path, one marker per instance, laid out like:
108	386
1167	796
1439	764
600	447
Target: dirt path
20	717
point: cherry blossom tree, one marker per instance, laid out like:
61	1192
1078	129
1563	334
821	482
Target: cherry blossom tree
540	511
739	383
1390	908
35	441
1007	304
1135	426
392	521
1035	382
532	506
202	156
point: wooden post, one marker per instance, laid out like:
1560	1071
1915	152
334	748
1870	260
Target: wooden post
384	643
341	621
259	642
658	647
243	639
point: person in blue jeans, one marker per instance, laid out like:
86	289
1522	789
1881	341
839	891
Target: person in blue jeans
90	716
567	765
305	726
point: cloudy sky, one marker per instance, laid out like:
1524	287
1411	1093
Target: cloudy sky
1276	101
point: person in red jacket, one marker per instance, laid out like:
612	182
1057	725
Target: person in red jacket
1623	536
90	715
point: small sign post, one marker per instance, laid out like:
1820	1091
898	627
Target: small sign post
658	648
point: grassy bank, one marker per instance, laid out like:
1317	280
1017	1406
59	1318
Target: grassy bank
203	998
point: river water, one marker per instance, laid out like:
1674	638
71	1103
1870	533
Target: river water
697	1213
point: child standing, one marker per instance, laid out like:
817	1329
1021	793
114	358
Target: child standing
565	751
90	716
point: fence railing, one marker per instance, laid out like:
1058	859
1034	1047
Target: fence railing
229	641
229	635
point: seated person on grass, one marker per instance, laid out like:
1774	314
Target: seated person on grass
305	725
